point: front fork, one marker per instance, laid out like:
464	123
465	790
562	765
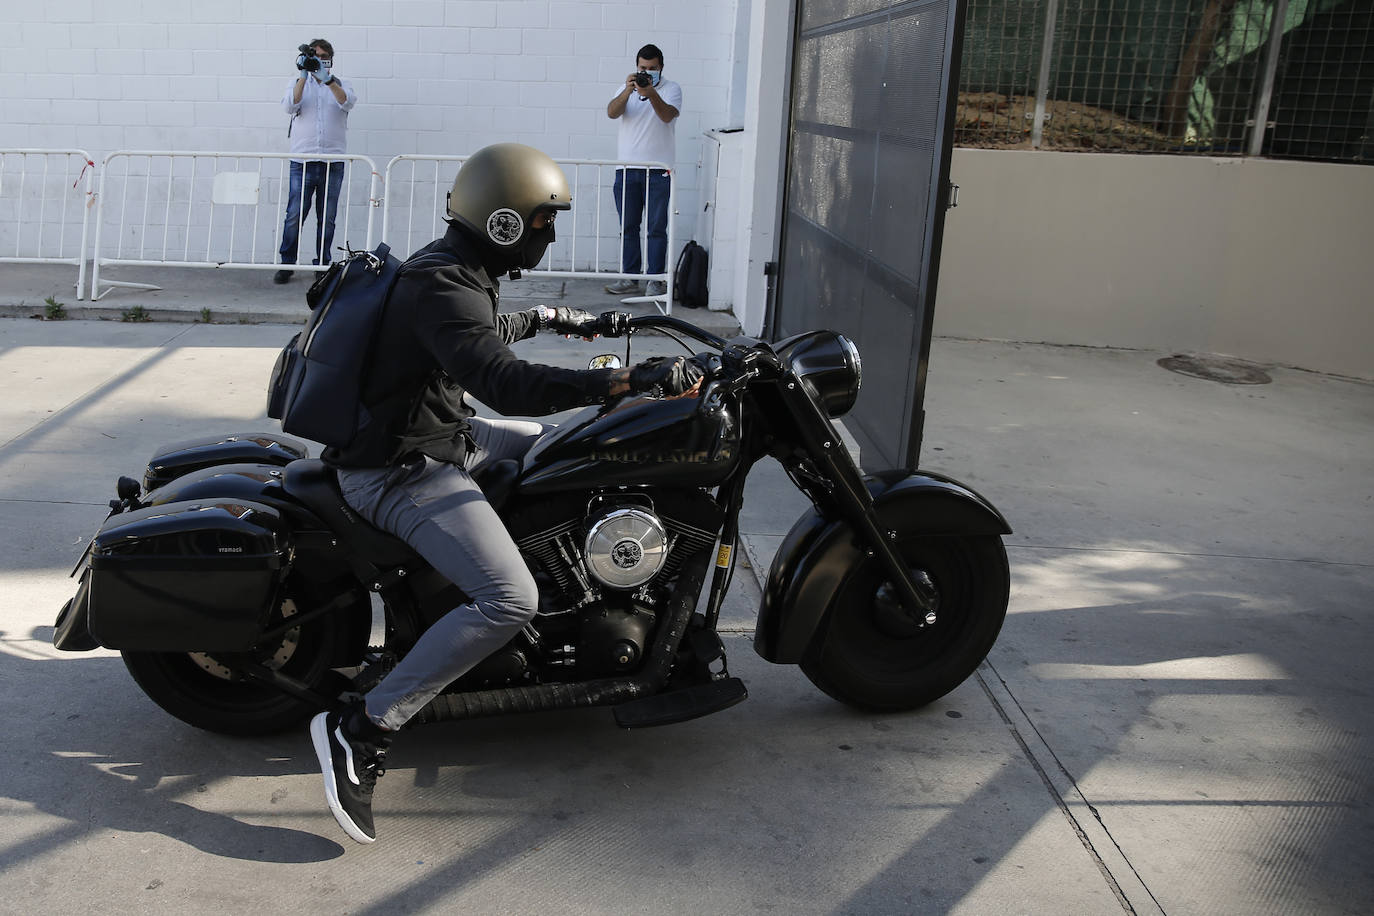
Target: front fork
837	481
730	495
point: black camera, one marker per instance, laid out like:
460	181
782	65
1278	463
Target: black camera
641	79
307	61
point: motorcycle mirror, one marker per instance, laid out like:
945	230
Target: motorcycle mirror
605	361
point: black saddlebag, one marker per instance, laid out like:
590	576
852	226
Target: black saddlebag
186	577
178	458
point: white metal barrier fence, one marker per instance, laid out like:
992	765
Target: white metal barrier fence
44	208
588	239
205	209
227	210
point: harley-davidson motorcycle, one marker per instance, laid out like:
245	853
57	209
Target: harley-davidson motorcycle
235	581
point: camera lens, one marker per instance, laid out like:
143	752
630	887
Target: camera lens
641	79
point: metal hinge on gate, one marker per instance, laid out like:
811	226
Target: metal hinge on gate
953	199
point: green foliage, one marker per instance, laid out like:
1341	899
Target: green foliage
137	313
54	310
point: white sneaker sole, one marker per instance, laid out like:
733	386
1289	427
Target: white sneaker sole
319	736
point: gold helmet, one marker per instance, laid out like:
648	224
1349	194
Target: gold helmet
497	194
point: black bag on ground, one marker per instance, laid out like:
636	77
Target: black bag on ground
316	385
689	277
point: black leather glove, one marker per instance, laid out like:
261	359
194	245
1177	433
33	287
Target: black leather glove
671	374
564	320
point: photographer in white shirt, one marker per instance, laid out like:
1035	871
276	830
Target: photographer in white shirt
646	107
319	103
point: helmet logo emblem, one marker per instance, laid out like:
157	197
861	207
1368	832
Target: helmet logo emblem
505	226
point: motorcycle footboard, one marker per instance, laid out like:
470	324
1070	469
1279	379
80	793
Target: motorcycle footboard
681	705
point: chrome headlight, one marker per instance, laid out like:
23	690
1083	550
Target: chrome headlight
828	366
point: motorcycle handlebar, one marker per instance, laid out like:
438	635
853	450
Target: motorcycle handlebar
612	324
715	372
618	324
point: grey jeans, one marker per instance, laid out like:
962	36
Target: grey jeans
439	510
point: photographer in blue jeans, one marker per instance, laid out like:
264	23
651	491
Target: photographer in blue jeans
646	107
319	103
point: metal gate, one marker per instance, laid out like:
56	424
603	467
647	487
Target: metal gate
874	86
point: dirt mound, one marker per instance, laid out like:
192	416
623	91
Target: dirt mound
991	120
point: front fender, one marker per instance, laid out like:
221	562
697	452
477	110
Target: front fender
817	554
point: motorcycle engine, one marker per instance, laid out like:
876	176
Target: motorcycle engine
605	564
625	548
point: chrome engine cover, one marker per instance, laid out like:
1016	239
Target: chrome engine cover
626	548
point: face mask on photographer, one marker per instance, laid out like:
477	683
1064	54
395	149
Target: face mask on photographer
654	77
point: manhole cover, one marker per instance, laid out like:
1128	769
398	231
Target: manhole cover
1217	369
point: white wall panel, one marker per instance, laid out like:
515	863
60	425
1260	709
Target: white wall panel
433	76
1260	259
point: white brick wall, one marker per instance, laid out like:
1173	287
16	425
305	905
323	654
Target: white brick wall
432	76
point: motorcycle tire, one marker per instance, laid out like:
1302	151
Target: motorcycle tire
869	655
202	690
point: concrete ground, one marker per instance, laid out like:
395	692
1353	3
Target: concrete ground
1174	718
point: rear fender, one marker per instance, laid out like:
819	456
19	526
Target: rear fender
257	482
818	554
177	458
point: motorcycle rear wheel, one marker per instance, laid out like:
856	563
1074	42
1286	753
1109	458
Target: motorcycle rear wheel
869	656
201	689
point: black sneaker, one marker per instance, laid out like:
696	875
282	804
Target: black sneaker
351	764
281	276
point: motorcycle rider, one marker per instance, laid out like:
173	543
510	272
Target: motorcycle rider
409	471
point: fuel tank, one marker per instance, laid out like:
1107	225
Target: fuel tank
679	442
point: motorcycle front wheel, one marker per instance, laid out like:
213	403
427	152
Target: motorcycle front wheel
870	654
204	690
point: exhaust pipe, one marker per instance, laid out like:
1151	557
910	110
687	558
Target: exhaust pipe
604	692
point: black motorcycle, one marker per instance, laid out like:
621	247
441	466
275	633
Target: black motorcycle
235	581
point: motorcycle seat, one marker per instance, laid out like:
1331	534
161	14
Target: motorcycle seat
313	482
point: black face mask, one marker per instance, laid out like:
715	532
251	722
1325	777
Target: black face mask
537	241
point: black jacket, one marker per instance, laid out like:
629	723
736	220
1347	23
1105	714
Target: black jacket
441	336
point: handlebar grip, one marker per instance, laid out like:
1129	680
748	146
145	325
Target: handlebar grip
613	324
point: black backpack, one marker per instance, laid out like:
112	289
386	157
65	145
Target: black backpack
689	277
317	383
